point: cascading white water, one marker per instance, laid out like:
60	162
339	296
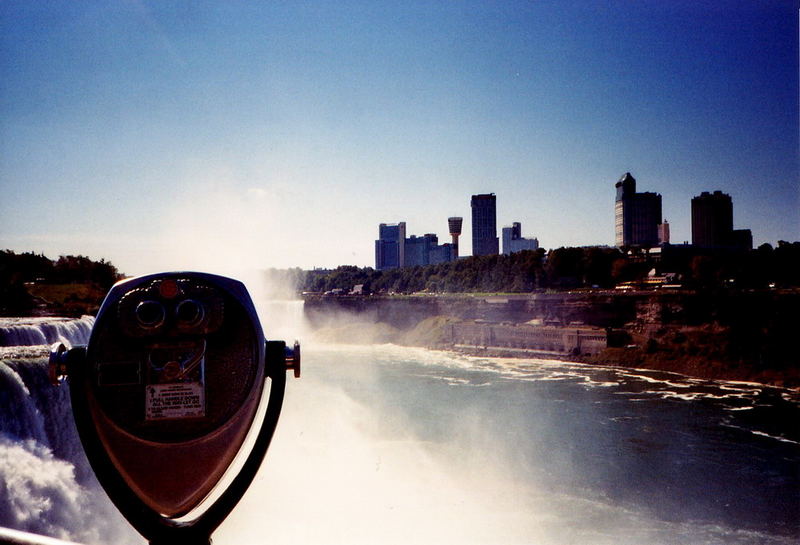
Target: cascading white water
41	331
282	319
46	484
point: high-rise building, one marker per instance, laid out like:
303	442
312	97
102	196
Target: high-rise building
418	249
636	215
712	223
390	247
712	220
484	225
513	241
393	249
441	253
454	224
742	239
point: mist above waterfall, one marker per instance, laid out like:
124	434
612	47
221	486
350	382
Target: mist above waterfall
335	475
397	445
229	222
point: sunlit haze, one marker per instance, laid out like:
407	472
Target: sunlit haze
221	136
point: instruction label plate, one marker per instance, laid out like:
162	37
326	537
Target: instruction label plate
177	400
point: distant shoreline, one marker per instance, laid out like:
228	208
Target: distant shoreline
746	337
711	371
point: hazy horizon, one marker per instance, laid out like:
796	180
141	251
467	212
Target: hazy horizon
235	136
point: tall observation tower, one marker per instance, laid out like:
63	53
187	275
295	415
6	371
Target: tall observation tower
455	231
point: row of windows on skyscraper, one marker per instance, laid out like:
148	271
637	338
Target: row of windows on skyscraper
393	249
637	219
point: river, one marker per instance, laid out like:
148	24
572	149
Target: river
387	444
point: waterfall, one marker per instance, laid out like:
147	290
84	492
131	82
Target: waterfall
282	319
45	331
46	484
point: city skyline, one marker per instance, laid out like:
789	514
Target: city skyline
220	136
639	223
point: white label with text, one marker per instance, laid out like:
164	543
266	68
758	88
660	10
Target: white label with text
177	400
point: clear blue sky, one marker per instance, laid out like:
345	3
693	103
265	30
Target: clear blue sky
201	134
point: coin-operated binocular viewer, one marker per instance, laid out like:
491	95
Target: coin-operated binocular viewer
165	394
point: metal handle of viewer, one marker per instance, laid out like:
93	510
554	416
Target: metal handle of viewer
293	359
61	359
281	358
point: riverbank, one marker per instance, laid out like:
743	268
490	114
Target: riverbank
706	352
633	358
432	334
746	337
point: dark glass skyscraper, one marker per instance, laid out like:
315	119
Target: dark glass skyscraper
636	215
712	219
390	248
484	225
712	223
418	249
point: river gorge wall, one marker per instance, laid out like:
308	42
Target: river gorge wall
725	335
602	310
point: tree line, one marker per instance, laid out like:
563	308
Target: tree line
19	271
568	268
